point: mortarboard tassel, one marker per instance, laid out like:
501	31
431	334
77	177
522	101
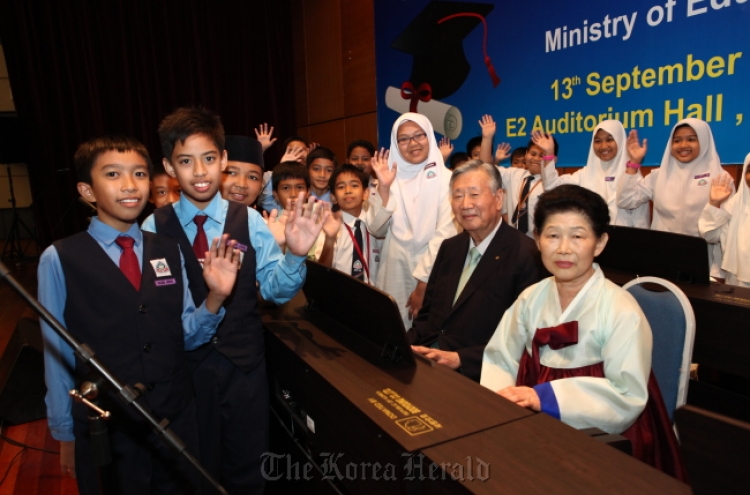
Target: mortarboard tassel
487	60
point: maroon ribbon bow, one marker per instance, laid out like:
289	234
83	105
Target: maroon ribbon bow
556	337
423	93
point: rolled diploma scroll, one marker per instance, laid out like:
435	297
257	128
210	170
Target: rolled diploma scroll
445	119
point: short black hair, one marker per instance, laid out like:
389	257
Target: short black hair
457	159
189	121
360	143
158	171
531	143
569	197
348	168
321	152
289	170
88	152
473	143
292	139
520	151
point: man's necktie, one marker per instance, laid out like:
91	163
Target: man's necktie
521	215
129	261
468	270
357	267
200	243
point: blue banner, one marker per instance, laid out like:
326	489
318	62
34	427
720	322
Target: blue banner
563	66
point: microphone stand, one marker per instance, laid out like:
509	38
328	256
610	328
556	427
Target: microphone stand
127	393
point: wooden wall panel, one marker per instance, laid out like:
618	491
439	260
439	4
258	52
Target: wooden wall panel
335	71
363	127
325	85
304	132
358	56
331	135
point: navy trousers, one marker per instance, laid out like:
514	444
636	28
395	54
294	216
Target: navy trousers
142	463
233	410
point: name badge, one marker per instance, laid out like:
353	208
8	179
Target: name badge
161	267
239	246
707	174
609	179
165	281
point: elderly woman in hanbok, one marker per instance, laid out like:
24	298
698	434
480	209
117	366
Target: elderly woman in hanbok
576	346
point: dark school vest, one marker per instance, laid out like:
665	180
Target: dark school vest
137	335
240	334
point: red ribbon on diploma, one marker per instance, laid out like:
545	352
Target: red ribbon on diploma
423	93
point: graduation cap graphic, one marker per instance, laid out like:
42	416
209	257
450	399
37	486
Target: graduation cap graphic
435	40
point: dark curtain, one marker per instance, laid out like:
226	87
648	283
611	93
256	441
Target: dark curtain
83	68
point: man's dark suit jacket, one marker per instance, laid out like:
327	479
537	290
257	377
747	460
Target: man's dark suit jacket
510	264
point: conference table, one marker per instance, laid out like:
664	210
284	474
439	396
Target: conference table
369	426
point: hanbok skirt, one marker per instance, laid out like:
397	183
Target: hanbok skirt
652	437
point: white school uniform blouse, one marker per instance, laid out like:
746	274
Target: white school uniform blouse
603	177
344	248
420	217
679	191
730	227
513	179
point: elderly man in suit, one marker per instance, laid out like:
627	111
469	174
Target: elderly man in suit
477	274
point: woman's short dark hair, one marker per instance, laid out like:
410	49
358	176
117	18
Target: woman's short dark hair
569	197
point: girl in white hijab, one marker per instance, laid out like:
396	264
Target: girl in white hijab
421	213
680	187
726	219
609	155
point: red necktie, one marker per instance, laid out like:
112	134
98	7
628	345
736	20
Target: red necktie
200	243
129	261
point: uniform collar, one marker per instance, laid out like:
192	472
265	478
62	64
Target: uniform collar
107	235
186	210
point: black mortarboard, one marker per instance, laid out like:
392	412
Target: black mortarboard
435	39
244	149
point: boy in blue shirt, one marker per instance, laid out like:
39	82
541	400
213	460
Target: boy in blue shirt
125	294
229	372
320	165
